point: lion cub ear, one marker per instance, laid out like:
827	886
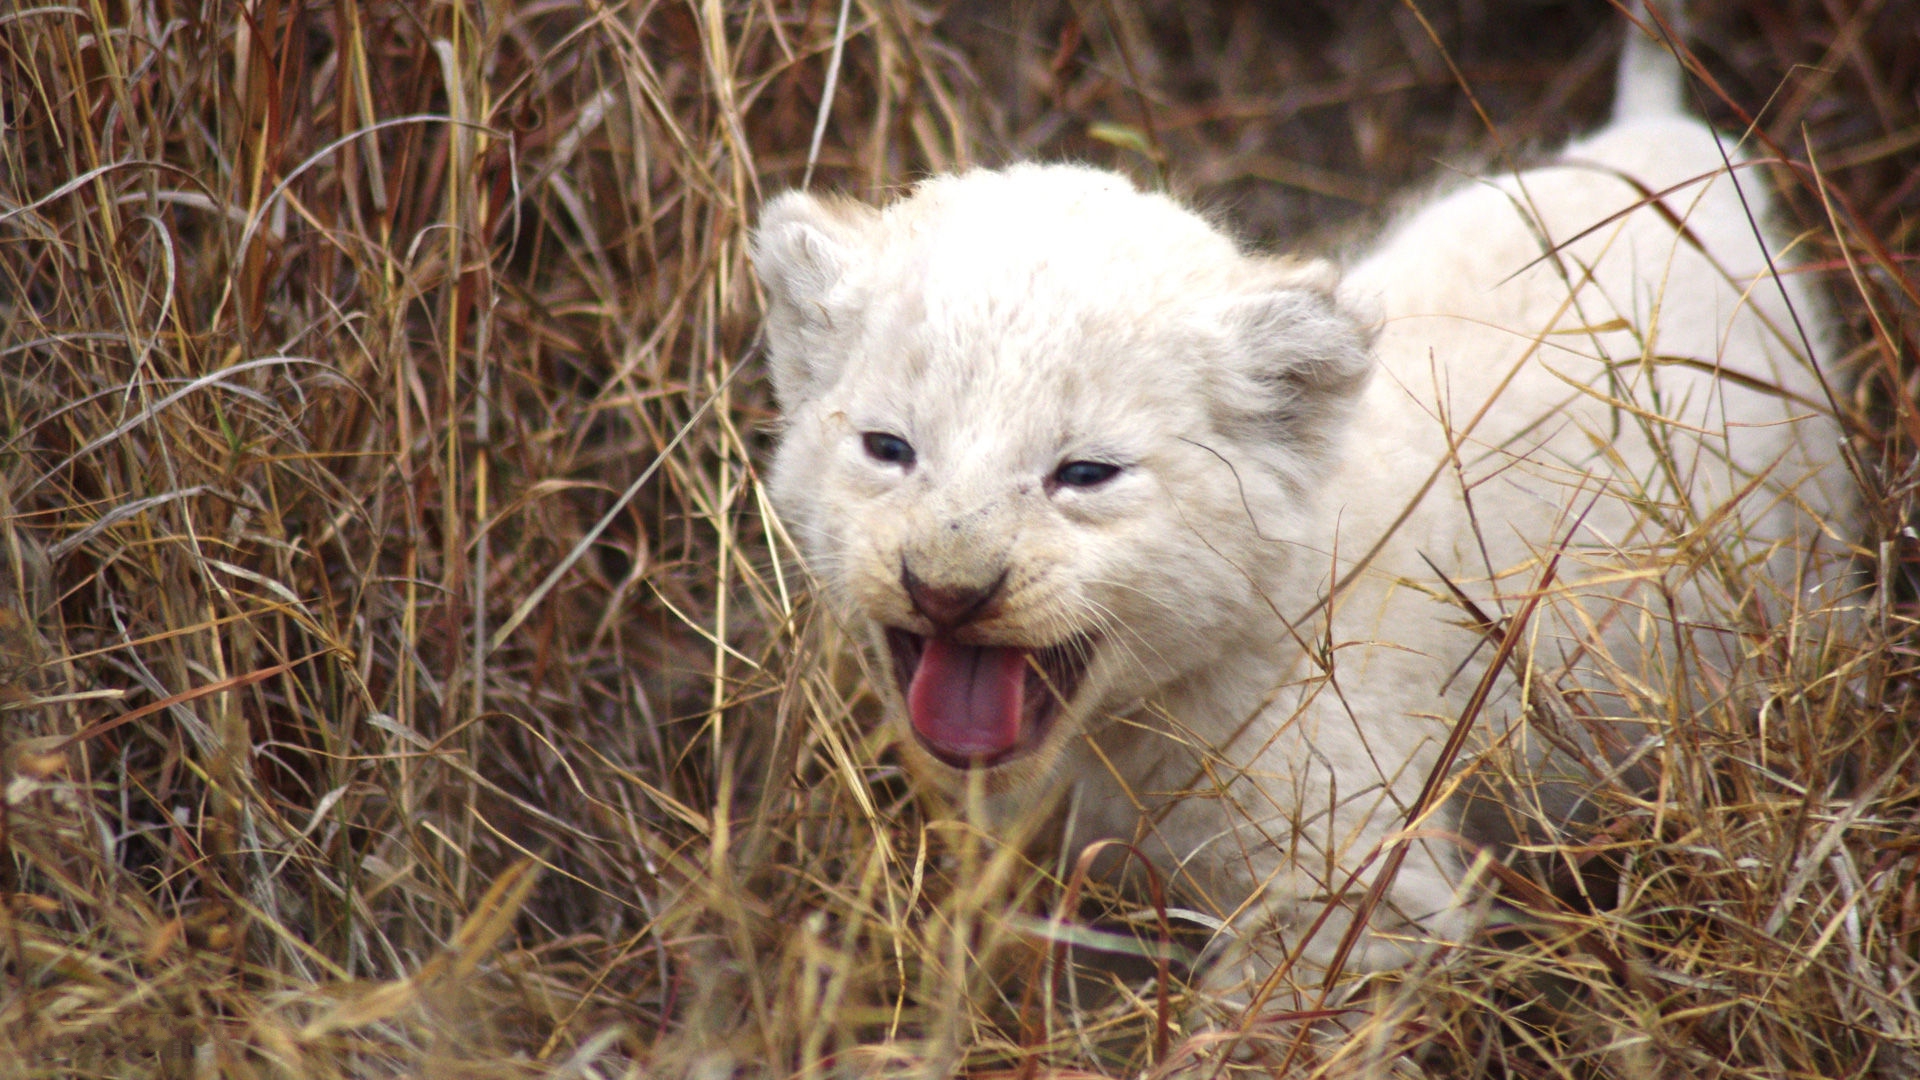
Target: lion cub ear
805	252
1296	355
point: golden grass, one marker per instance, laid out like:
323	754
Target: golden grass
396	676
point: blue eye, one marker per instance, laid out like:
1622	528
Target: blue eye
1085	474
891	449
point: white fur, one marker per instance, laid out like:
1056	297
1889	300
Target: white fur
1257	741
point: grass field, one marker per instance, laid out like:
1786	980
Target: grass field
398	671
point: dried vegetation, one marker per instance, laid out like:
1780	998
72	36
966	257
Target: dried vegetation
396	674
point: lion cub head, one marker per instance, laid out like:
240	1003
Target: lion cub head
1048	444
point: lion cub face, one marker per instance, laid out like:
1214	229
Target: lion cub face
1045	440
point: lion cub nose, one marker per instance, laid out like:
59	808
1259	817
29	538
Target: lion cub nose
949	607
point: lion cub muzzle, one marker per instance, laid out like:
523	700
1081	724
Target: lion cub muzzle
972	702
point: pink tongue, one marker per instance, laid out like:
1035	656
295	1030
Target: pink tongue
966	700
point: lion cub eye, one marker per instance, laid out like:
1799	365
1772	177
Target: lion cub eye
891	449
1085	474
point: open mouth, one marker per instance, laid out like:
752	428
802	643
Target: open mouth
976	706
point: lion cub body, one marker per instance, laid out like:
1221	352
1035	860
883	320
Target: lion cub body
1132	518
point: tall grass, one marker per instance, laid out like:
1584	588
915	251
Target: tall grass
398	671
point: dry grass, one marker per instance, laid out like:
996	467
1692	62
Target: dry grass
396	676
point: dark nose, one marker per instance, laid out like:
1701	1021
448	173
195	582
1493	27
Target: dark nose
949	607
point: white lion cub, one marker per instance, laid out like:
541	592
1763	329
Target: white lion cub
1137	518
